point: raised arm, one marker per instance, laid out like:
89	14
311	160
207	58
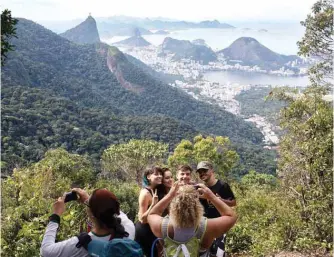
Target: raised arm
230	203
217	226
226	195
154	217
49	247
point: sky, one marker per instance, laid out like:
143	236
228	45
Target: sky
189	10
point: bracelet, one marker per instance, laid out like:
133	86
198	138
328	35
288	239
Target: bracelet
54	218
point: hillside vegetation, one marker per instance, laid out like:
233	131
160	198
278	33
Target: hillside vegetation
80	75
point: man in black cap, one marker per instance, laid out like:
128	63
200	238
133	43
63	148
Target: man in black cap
224	192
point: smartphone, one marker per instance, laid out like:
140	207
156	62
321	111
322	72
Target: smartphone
197	187
70	196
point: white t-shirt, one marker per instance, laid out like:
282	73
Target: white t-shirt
67	248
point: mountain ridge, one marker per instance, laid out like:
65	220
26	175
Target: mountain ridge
153	23
123	25
186	49
135	41
80	73
84	33
251	52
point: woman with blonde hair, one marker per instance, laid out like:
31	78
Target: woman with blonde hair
186	230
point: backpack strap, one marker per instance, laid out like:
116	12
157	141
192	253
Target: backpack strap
164	227
201	228
84	239
184	249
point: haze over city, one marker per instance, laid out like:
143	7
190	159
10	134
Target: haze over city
229	11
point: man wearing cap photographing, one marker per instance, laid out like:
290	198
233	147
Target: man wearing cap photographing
223	191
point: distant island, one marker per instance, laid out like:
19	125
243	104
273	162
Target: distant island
161	32
135	41
119	29
161	24
213	24
187	50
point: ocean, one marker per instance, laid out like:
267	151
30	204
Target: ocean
252	78
279	37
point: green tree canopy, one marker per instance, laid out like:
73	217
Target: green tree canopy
131	158
215	149
306	149
318	42
27	197
8	31
255	179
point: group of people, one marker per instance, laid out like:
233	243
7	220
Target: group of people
190	218
184	204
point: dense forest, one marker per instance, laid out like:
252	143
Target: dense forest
79	73
256	101
35	120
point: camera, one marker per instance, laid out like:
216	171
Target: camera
70	196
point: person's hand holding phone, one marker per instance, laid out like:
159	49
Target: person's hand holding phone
83	195
196	186
59	206
76	194
205	192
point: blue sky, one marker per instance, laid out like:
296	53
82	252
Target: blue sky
191	10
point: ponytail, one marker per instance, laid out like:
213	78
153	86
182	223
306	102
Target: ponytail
111	221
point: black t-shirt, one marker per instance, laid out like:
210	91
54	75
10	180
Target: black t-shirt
224	191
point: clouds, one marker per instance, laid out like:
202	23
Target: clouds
231	10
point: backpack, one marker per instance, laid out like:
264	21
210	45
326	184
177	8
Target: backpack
117	247
190	248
